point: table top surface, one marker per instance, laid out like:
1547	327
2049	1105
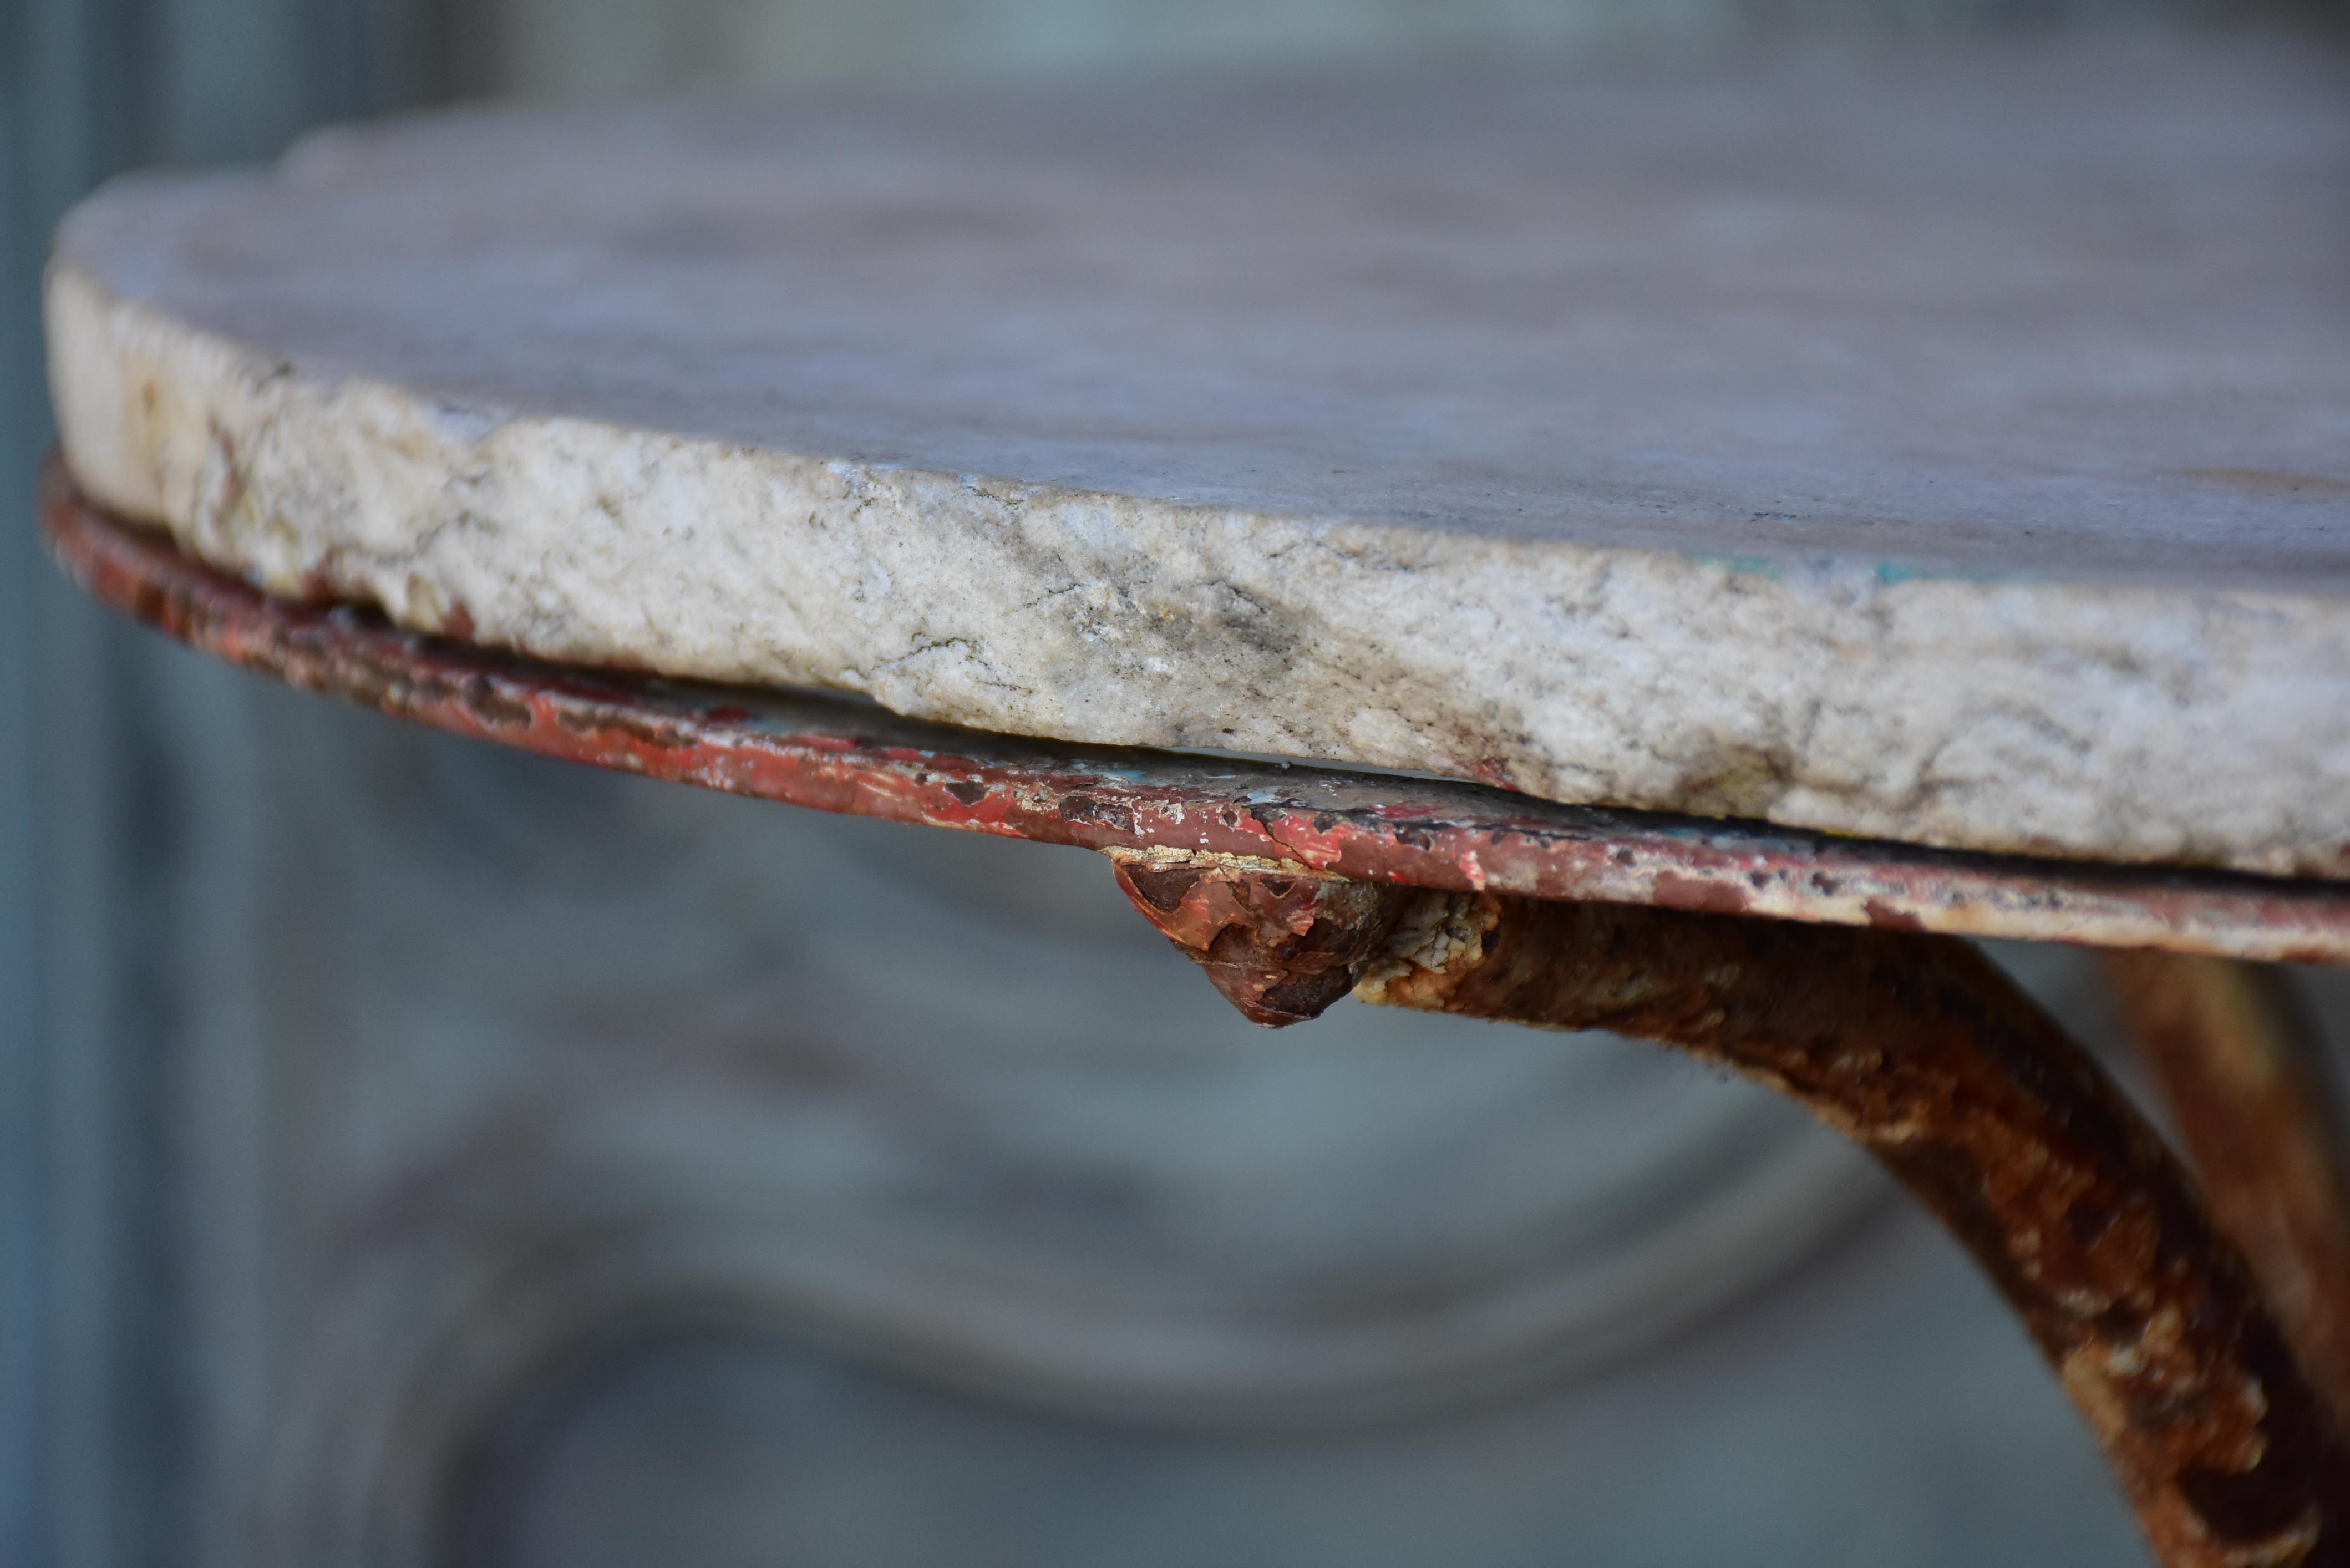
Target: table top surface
2076	313
1950	447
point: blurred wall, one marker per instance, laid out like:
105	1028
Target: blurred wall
89	1456
570	47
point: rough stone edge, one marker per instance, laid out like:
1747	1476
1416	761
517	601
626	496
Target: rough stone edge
2117	723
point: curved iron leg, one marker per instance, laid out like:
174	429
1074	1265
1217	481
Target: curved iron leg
2241	1066
1921	1050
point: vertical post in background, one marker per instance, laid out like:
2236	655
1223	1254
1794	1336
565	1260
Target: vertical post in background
94	1439
21	1526
62	1180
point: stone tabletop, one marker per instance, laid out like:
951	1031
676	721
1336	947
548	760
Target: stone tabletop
1953	448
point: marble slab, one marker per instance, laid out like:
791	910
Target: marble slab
1947	447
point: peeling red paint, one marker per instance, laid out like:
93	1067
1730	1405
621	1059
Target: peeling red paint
838	754
1707	895
1886	916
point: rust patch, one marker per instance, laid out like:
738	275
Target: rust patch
1281	945
2243	1069
492	708
1886	917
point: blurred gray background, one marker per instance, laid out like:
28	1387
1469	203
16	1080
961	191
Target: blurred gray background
412	1153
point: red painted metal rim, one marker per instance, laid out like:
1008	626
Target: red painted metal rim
836	753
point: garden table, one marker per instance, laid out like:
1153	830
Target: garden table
1670	552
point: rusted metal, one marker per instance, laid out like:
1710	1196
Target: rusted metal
837	754
2240	1065
1281	946
1918	1049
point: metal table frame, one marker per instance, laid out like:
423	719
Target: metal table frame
2202	1323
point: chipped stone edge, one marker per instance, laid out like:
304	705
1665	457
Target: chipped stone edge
2121	724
